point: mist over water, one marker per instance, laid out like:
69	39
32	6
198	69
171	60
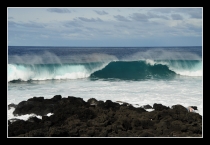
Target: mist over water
51	58
162	54
79	55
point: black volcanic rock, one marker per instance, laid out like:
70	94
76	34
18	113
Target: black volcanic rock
57	97
36	107
73	117
194	107
12	106
92	101
36	99
159	107
147	107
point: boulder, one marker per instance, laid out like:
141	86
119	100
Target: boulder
159	107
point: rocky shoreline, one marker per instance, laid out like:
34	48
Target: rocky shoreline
73	117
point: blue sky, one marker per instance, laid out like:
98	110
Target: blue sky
104	26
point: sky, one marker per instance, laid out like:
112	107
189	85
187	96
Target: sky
104	26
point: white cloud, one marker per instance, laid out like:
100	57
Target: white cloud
44	36
101	12
100	23
58	10
176	17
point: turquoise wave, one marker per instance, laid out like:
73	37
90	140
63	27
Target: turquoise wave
125	70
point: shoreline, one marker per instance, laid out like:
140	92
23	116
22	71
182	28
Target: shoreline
73	117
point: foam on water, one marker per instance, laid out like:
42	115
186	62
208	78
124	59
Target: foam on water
23	117
184	91
25	72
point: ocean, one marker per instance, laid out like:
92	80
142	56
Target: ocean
136	75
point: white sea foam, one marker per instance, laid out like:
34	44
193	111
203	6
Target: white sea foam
32	72
23	117
185	91
181	68
196	70
150	62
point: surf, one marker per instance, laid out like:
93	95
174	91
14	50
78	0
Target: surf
27	72
124	70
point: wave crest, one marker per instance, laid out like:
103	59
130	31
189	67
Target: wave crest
142	69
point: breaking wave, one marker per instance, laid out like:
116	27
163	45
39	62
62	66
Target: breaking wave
133	70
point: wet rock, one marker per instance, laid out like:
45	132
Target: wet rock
73	117
36	105
57	97
194	107
147	107
146	134
92	101
159	107
37	99
12	106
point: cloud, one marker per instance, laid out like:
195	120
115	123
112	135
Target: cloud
32	25
139	17
146	17
44	36
28	25
90	20
196	14
163	10
121	25
101	12
194	28
152	15
176	17
121	18
72	23
99	25
193	12
11	24
58	10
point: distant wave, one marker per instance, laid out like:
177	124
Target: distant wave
133	70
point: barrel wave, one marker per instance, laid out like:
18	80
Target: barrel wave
124	70
150	69
134	70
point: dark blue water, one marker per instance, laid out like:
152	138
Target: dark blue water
119	52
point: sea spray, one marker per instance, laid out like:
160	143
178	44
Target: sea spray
162	54
49	66
27	72
181	67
